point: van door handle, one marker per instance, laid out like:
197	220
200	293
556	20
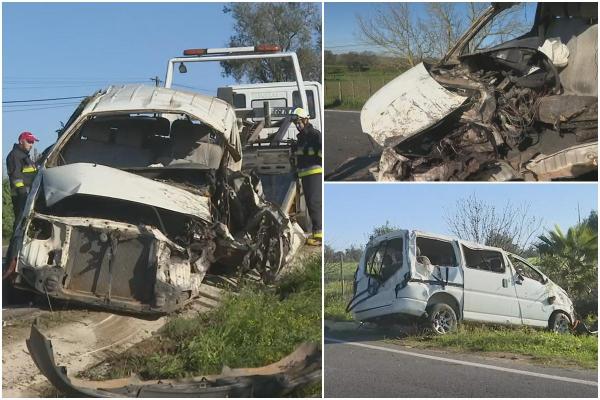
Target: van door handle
505	283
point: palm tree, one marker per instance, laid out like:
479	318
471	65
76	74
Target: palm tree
572	259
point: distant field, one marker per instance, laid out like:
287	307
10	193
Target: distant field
346	89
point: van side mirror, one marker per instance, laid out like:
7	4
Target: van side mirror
519	280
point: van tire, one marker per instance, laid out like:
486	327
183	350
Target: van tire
559	323
441	318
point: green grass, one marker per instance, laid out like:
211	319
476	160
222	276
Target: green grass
336	299
350	90
541	346
335	302
256	327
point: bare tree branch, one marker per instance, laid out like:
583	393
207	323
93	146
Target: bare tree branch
511	228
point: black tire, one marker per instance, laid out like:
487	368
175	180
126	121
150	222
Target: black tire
559	323
441	318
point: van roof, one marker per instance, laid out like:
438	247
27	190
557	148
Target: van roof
143	98
401	232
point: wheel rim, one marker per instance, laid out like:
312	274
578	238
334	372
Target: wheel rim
561	324
442	321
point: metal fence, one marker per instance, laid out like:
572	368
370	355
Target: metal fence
352	91
339	275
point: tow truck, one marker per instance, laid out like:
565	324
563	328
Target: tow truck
263	110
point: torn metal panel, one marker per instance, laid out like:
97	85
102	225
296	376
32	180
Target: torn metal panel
298	369
99	180
407	105
574	161
109	264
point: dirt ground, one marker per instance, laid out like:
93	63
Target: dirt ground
80	338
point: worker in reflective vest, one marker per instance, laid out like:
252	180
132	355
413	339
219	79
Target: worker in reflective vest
310	170
21	172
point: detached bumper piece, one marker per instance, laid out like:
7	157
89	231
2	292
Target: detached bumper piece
300	368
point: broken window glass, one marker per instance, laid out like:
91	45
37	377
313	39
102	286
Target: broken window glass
485	260
384	260
435	252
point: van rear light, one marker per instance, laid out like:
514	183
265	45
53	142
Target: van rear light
194	52
267	48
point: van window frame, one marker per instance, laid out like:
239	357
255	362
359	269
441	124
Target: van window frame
385	245
510	259
466	264
449	242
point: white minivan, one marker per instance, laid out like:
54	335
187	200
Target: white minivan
446	280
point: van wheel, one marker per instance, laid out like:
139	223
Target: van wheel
441	318
560	323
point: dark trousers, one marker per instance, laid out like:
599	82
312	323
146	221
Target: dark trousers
18	204
312	185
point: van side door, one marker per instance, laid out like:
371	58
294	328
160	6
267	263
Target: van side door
489	287
531	292
376	278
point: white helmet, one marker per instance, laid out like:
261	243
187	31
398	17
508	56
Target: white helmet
300	113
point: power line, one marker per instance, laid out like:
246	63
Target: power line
32	100
39	108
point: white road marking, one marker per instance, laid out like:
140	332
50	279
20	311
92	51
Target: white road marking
343	111
470	364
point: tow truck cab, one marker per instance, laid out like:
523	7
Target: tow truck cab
263	111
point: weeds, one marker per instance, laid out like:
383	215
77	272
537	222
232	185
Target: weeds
256	327
542	346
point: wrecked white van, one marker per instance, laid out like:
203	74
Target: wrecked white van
526	109
142	200
446	280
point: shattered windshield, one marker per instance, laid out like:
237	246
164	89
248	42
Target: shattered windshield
144	140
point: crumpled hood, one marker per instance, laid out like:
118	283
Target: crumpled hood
407	105
99	180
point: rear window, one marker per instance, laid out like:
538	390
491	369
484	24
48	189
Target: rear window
310	98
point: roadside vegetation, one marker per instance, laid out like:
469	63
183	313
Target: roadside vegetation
7	212
535	345
338	290
253	328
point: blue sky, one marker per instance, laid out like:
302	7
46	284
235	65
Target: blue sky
352	210
54	50
341	30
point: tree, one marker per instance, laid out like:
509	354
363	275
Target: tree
352	253
7	212
292	26
511	228
396	30
329	253
383	229
571	260
403	31
592	221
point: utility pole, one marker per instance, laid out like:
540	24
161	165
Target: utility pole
156	80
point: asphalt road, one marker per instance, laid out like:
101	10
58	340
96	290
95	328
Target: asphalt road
348	151
378	369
